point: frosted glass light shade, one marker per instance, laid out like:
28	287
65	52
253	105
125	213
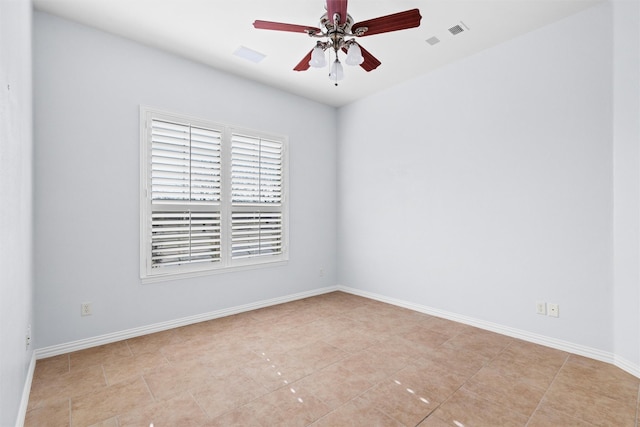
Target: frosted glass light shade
354	55
337	73
318	59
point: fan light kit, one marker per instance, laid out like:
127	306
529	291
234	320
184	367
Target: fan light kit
340	33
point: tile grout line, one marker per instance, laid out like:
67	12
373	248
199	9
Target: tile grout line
209	417
104	375
566	359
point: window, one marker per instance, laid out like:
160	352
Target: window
213	197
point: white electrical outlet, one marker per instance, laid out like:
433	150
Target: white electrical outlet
321	272
85	309
28	337
541	307
554	310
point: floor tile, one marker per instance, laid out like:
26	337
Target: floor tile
485	343
545	417
133	366
334	385
55	413
223	394
399	402
446	327
356	414
292	406
111	422
97	355
424	339
528	364
180	411
519	396
428	382
373	364
243	416
73	384
273	371
194	347
152	343
591	406
599	378
352	340
433	421
120	398
167	382
302	336
468	409
461	362
51	367
314	356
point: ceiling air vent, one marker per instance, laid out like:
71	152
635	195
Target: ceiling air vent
433	40
456	29
249	54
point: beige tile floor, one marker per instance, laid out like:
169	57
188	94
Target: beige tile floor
331	360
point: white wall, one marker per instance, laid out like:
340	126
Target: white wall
16	215
487	185
88	88
626	151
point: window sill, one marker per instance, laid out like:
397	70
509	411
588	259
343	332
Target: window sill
199	273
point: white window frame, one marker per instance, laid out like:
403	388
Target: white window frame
224	206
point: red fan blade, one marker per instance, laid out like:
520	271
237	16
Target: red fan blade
304	64
384	24
339	7
279	26
370	62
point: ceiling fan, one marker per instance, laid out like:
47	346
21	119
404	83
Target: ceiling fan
340	33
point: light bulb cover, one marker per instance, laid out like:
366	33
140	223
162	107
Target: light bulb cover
354	55
337	72
318	59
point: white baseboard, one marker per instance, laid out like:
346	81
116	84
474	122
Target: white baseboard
567	346
26	390
55	350
625	365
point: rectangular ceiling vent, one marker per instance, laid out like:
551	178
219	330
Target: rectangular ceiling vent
456	29
433	40
249	54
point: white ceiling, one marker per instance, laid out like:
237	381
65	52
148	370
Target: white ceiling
209	31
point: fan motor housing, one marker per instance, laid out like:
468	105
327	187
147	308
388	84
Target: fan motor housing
336	33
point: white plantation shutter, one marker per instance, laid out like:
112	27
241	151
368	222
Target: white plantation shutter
256	181
256	170
256	234
205	164
212	197
185	162
185	169
184	237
